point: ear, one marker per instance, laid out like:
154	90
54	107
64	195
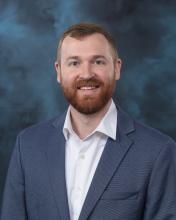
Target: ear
117	67
58	71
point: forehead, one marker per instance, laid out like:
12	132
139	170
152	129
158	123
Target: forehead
92	44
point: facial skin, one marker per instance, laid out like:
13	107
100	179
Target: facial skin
87	72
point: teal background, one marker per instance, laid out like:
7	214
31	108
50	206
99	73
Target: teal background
145	32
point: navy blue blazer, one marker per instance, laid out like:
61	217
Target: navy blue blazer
135	178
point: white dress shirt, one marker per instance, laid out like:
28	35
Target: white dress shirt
82	157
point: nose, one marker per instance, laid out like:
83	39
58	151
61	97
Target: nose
86	71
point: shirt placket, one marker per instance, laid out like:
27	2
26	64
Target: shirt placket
77	190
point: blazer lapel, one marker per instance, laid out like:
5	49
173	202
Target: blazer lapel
56	168
112	156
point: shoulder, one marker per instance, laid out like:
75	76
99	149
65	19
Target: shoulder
42	130
144	137
148	133
150	141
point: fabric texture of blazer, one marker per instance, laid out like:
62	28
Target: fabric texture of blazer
135	178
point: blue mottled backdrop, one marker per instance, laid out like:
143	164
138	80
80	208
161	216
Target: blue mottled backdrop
145	31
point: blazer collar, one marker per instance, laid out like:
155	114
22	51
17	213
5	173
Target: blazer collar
125	123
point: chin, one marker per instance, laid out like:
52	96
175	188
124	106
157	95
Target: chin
90	107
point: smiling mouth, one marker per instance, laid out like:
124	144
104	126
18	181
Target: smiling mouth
87	87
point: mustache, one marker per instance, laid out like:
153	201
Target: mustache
91	82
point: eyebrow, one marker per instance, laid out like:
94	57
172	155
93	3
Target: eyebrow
93	57
99	56
72	58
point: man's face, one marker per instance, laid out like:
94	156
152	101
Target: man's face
87	72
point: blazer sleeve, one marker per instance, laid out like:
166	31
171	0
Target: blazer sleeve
13	206
161	196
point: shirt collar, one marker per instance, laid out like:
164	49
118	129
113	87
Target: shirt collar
107	125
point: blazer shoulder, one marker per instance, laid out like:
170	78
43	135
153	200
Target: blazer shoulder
151	137
140	132
42	129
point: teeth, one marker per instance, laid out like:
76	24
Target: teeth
87	88
90	87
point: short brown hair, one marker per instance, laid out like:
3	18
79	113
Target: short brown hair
85	29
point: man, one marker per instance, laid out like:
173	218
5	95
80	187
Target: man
95	162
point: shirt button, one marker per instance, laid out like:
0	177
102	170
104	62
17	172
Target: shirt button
82	156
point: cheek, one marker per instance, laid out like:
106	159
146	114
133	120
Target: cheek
65	76
67	81
106	72
107	76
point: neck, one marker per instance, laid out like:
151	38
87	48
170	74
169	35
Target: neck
83	124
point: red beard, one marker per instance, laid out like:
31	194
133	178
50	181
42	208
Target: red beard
88	103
